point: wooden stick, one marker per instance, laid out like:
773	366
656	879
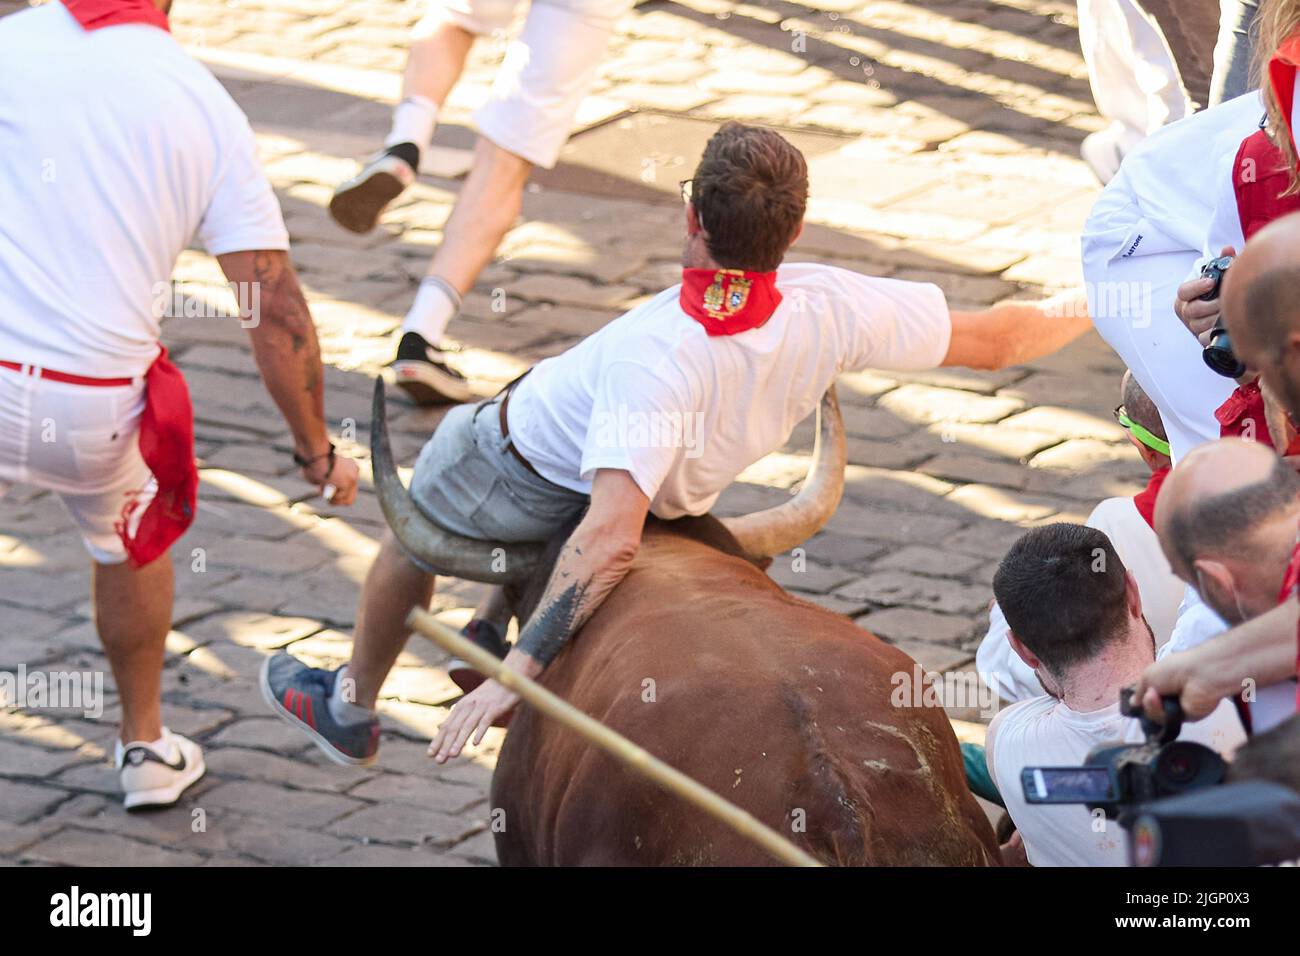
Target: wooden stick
613	743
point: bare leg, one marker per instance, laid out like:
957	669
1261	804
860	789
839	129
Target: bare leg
485	210
393	587
435	58
133	613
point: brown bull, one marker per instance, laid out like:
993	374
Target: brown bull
778	705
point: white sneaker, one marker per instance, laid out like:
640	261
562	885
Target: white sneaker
156	774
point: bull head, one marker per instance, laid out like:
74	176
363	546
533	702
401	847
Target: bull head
764	533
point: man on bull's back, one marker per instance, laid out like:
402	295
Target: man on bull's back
725	365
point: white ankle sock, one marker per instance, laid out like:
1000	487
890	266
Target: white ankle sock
435	303
414	120
344	711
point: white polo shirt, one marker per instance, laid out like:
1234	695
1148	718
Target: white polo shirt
684	412
116	147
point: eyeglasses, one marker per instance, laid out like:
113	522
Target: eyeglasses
687	186
1141	434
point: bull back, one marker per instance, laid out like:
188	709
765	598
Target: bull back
778	705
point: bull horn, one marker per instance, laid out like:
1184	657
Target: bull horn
776	530
489	562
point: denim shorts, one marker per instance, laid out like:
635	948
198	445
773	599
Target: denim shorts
467	482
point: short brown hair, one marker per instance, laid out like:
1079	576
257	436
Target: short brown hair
749	193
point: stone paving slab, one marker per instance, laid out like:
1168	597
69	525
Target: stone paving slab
942	139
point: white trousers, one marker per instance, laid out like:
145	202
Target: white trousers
1134	79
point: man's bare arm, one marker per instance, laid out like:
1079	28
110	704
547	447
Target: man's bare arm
595	559
1012	333
1262	651
287	353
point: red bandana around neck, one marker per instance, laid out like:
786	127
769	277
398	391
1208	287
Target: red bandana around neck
1145	500
1282	76
728	301
96	14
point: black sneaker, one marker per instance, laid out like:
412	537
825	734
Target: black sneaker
357	203
422	372
300	696
485	635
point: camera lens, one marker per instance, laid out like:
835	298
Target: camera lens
1218	355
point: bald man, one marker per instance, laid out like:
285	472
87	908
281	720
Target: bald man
1261	309
1227	519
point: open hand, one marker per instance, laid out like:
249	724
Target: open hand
473	714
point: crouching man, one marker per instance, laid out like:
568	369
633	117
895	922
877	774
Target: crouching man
744	347
1076	620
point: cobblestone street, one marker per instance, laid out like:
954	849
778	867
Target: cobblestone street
942	139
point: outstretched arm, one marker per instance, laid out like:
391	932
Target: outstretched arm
1012	333
593	561
288	358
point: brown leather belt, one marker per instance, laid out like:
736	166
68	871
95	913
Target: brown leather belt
505	433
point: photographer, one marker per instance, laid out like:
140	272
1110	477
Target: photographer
1076	620
1262	316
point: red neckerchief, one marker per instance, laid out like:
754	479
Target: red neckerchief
1281	76
167	446
1245	404
727	301
95	14
1145	500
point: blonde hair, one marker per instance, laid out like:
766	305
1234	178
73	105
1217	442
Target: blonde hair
1276	21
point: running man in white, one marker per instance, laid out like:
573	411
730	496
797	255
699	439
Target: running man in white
524	123
744	346
115	149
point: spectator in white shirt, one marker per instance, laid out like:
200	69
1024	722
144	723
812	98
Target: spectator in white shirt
1076	620
1127	522
116	148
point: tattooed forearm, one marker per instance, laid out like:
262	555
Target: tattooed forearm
552	624
284	342
588	568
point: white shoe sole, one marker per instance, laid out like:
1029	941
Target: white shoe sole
166	796
327	748
428	386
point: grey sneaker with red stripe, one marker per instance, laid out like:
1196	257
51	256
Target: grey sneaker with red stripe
300	696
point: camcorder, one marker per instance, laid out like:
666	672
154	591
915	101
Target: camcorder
1170	796
1218	355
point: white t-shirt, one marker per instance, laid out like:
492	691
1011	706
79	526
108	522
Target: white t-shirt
1044	732
684	413
115	148
1197	623
1001	668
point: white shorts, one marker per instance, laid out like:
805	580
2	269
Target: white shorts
546	72
79	442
